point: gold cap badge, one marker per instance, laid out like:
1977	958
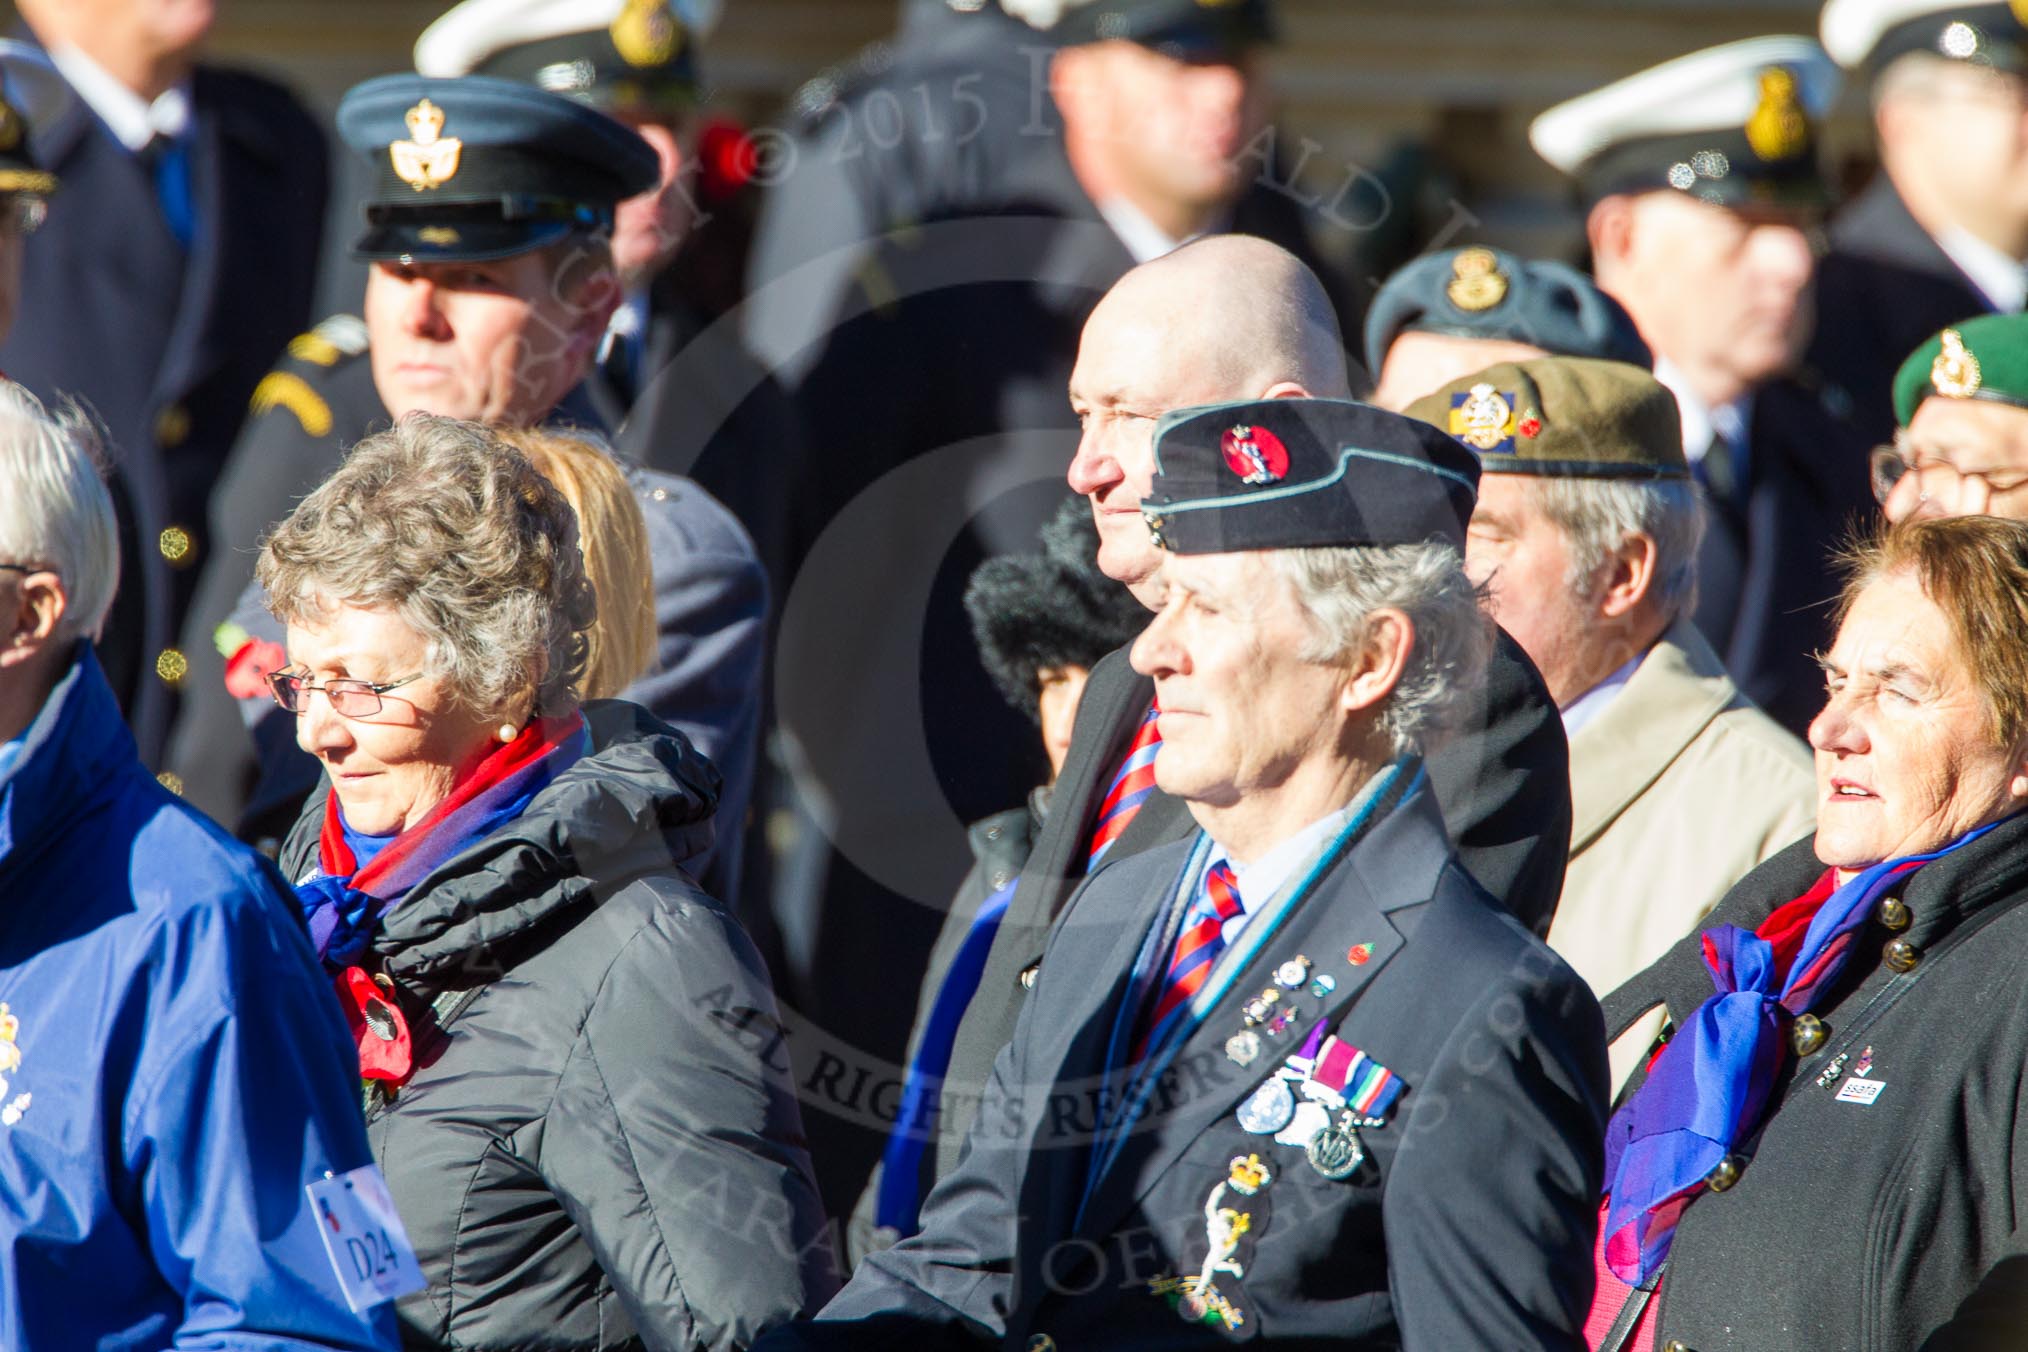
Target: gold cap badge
646	33
1779	128
1955	372
429	159
1476	281
1484	420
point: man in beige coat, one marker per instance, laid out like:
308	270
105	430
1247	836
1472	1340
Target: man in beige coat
1586	537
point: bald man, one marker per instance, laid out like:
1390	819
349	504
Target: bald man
1221	320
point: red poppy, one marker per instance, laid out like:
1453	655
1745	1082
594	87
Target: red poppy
247	670
374	1016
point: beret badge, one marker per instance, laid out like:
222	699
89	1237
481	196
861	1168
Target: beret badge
1255	454
1955	372
1476	281
1779	128
646	33
429	159
1483	418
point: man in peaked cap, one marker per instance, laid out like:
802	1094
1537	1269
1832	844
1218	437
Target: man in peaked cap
1962	448
491	284
1585	536
1248	1044
1941	234
1456	311
683	395
1700	177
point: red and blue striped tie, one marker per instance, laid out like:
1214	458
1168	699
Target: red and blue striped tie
1197	947
1131	788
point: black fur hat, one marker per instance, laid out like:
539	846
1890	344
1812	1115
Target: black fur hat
1053	609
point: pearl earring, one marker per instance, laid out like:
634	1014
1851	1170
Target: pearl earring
508	732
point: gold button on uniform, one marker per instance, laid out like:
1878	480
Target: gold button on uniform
172	666
1901	955
1041	1342
1676	1345
172	426
1894	914
176	546
1808	1034
1724	1175
171	781
1028	975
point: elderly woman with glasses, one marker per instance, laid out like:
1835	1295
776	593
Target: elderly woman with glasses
569	1050
1962	402
1830	1150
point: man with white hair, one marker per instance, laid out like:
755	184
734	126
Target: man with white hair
172	1076
1585	536
1295	1078
1701	182
1217	321
1941	234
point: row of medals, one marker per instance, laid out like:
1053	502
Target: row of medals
1292	1106
1334	1150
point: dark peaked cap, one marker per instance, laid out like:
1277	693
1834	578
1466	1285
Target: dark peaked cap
477	168
1301	473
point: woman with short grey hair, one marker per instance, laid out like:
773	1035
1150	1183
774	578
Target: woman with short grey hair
540	994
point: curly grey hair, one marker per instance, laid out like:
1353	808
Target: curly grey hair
457	533
1338	589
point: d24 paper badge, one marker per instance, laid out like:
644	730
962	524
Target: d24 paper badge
364	1238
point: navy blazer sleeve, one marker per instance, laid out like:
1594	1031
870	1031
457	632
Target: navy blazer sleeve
1492	1203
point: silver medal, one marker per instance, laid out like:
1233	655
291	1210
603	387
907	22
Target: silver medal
1336	1151
1268	1109
1309	1118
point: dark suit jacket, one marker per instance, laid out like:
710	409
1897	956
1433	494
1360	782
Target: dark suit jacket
1503	781
166	345
1883	290
1469	1225
1765	580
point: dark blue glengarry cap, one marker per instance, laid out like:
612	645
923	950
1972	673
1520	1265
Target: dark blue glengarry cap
626	55
1188	29
1305	473
479	168
1489	293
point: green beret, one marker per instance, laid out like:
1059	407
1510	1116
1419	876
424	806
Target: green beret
1982	358
1571	417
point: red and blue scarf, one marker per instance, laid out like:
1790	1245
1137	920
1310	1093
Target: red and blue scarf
1708	1088
342	901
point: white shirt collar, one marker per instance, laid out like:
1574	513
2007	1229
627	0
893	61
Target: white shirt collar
1592	702
133	121
1701	422
1144	239
1997	275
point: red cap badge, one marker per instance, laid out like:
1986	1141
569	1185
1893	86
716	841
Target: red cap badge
1255	454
